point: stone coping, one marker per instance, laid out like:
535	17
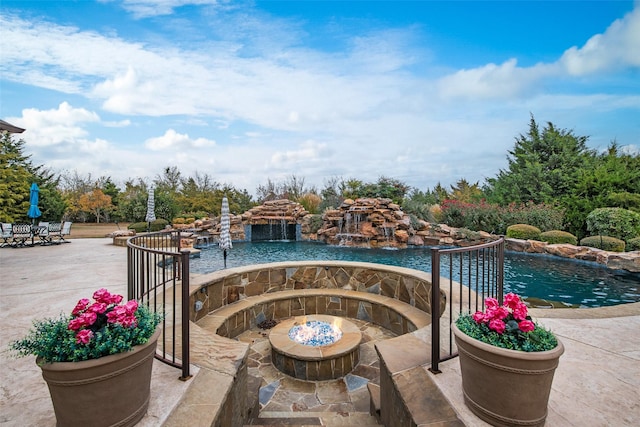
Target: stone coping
198	281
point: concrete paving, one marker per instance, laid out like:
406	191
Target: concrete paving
596	383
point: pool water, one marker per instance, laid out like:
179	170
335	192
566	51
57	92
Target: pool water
545	277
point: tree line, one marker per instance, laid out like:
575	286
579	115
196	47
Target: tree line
552	177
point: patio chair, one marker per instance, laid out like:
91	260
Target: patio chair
54	232
66	230
21	234
7	234
42	231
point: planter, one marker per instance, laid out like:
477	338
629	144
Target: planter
109	391
506	387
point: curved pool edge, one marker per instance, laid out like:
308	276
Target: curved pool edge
611	311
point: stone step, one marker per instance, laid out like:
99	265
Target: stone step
374	401
328	419
274	422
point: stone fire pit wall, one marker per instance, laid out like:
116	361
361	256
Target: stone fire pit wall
393	297
232	285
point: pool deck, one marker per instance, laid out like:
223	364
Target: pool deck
596	384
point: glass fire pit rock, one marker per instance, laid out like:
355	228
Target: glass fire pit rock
320	360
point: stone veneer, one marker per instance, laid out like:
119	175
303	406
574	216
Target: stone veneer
225	287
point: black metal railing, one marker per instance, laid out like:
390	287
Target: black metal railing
158	276
468	275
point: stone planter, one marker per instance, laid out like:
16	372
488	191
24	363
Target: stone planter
109	391
506	387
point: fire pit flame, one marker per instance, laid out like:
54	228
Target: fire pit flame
315	333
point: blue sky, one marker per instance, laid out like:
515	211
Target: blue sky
245	91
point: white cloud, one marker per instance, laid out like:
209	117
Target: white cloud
118	124
617	48
308	151
61	126
492	81
171	140
149	8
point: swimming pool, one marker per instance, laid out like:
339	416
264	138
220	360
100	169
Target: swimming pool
531	275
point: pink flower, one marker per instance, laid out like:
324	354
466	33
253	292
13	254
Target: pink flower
497	325
89	318
526	326
491	303
75	324
102	295
116	299
131	306
520	311
478	316
115	315
511	300
84	336
98	307
80	306
499	313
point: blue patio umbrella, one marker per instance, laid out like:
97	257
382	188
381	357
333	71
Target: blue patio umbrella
34	211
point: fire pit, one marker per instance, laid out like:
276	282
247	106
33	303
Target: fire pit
316	347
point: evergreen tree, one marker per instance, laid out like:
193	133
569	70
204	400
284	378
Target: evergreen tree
17	173
543	167
15	179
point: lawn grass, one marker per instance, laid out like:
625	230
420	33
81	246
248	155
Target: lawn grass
84	230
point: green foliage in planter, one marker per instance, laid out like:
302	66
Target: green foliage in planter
558	236
540	339
604	242
633	244
52	340
523	231
615	222
141	227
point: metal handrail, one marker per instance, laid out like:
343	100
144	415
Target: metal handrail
158	276
483	277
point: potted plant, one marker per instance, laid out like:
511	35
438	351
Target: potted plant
97	361
507	363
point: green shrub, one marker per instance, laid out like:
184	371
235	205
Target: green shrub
615	222
315	222
558	236
545	217
495	219
633	244
523	231
178	220
141	227
606	243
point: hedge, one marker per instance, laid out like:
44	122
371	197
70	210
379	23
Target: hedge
141	227
523	231
633	244
604	242
558	236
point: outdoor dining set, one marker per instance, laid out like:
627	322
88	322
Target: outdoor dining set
23	235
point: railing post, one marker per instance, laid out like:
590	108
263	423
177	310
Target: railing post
435	310
184	258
